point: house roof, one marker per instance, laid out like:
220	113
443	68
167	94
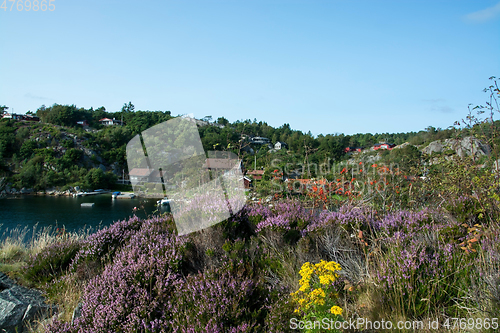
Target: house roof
105	119
255	172
140	172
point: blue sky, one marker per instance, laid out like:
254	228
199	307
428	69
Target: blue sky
337	66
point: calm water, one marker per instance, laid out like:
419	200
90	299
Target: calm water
67	212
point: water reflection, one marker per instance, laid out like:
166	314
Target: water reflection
68	212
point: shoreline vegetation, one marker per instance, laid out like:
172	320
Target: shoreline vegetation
252	270
54	193
411	237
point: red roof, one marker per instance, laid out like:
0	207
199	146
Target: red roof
255	172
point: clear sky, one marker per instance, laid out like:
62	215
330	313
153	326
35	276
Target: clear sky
332	66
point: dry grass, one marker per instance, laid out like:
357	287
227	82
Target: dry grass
18	244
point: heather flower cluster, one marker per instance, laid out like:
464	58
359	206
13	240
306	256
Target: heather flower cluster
106	241
417	246
128	295
349	217
144	288
274	223
284	216
218	300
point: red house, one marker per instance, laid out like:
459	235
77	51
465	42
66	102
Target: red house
257	174
383	145
247	182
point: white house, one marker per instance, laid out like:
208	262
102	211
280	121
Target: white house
108	122
280	145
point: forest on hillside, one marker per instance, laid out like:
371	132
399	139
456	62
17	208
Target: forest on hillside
61	153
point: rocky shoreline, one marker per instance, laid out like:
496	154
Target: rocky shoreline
13	192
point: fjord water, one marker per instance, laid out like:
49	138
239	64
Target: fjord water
67	211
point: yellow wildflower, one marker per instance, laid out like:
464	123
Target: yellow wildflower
336	310
304	287
318	293
306	270
320	301
327	278
332	266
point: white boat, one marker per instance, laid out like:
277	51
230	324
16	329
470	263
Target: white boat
163	202
124	196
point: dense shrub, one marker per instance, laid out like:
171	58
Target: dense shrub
131	292
51	261
102	245
142	289
224	299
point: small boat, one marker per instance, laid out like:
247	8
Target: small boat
163	202
87	204
125	196
115	194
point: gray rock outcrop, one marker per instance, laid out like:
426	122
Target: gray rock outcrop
463	147
20	306
89	153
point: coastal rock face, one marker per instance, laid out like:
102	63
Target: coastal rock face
372	159
464	147
433	147
19	306
90	153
